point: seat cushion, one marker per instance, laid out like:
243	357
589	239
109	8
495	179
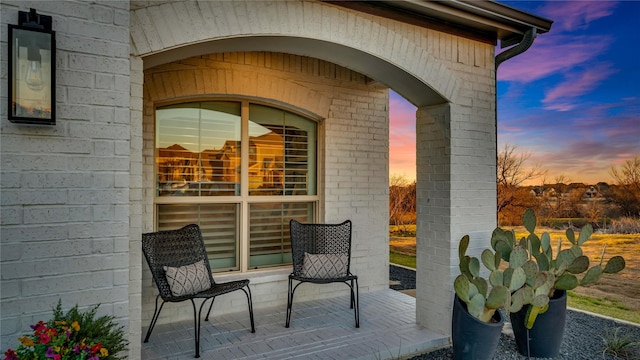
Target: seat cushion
187	279
324	266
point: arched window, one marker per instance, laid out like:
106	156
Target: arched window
239	170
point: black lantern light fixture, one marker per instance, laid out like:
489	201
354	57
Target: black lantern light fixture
32	76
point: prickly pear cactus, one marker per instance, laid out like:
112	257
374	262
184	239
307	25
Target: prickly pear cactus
569	262
546	268
614	265
482	301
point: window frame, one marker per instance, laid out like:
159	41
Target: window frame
244	200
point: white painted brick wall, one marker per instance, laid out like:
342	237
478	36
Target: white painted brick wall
134	245
65	190
386	39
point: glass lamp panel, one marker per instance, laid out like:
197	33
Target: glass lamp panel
31	74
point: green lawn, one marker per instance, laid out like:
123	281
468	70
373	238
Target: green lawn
607	307
402	259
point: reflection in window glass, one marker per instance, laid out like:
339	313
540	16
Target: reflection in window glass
198	149
282	152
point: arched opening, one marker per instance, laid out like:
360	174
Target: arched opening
351	110
374	67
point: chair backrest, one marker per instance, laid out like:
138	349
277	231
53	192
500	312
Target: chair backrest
173	248
319	239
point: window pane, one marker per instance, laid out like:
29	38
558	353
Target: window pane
269	239
198	149
282	152
218	223
198	153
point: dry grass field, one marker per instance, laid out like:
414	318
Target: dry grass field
403	245
622	288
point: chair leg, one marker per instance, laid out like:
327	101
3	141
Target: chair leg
154	318
196	326
289	302
352	297
210	307
197	323
250	303
356	304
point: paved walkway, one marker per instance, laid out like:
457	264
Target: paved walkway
320	329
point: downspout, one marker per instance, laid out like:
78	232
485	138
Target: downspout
522	46
527	41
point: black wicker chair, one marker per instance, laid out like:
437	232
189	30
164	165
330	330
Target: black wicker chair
180	267
322	255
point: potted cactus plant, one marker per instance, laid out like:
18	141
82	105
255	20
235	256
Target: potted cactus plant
477	323
539	326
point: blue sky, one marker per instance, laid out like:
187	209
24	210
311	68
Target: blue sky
572	100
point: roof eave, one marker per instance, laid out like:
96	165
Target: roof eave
481	20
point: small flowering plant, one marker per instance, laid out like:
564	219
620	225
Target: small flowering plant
72	335
56	341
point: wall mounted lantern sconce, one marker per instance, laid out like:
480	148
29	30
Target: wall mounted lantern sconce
32	75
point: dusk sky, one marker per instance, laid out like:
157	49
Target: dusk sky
572	100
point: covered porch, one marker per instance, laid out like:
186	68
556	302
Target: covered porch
320	329
85	190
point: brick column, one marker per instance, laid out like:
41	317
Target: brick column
135	212
456	192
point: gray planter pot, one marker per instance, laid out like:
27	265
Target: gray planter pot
473	339
545	338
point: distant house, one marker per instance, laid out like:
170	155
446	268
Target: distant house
239	116
591	192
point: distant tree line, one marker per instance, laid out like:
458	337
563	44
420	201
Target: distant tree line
561	198
402	201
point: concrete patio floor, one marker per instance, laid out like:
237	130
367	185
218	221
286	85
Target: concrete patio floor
320	329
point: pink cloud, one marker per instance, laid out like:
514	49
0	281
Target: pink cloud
575	15
401	112
576	84
402	137
402	124
586	156
624	129
577	164
550	55
402	159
